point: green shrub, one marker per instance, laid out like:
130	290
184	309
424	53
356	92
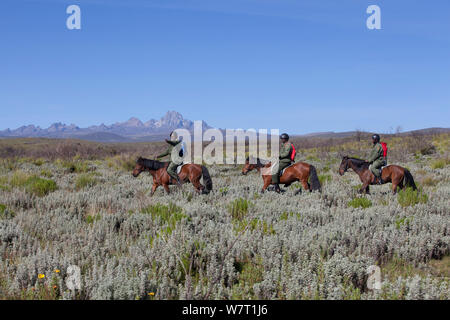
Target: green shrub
360	203
76	166
403	221
91	219
40	187
38	162
166	215
239	208
324	178
5	213
312	158
32	183
410	197
249	273
4	181
9	164
19	179
85	180
46	173
439	163
253	224
128	164
429	181
122	162
285	215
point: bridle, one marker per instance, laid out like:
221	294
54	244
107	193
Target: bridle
346	165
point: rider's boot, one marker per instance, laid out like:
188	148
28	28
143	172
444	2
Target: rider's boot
179	181
277	188
378	180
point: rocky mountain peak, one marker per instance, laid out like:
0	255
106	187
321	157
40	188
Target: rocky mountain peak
132	129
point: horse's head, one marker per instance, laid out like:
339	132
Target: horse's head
139	167
248	166
344	165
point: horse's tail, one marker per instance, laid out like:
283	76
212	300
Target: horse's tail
409	180
207	179
314	180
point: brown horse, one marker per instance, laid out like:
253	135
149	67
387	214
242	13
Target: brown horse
399	176
300	171
189	173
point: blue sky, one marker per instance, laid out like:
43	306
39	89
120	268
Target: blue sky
300	66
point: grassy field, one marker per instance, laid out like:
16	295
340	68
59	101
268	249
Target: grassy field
66	203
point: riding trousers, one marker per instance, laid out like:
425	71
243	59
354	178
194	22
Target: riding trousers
375	167
172	170
282	165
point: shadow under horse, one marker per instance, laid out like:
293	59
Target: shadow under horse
399	176
299	171
189	173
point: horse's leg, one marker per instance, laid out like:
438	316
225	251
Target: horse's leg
267	182
396	183
305	184
155	185
394	187
197	185
166	187
185	177
364	188
366	177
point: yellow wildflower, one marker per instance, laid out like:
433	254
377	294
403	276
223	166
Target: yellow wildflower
41	276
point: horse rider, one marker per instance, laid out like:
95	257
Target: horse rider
376	159
284	159
175	160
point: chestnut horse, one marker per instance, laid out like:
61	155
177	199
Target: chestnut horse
189	173
399	176
299	171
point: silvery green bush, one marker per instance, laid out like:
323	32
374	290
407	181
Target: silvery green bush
287	246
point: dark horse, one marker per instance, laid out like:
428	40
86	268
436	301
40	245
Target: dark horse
189	173
300	171
399	176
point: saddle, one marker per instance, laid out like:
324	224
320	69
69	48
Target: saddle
282	171
180	167
378	179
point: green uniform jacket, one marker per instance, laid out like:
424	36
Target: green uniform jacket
285	153
169	149
376	153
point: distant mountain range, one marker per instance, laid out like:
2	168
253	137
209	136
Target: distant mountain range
332	134
134	130
128	131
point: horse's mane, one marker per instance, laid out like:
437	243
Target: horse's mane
151	164
259	162
358	162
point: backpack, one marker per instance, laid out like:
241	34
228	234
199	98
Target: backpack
385	149
293	153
